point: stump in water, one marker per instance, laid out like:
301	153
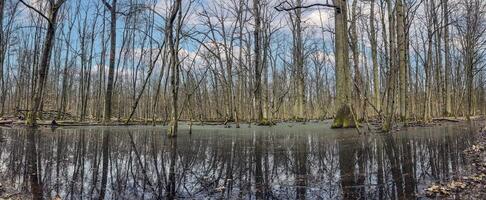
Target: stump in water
54	124
344	118
266	122
30	121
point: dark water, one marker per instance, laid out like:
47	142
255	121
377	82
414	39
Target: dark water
285	162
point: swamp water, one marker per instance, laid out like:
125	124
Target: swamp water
289	161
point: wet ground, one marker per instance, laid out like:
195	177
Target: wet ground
288	161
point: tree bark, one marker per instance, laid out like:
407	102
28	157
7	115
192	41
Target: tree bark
448	71
358	81
343	118
111	68
258	66
402	61
298	51
174	66
2	59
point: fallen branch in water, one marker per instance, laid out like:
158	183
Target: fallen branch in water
446	119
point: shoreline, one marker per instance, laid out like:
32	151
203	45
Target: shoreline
472	186
15	123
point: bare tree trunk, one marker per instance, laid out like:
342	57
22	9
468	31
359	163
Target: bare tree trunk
90	67
469	82
111	70
2	59
447	74
159	82
298	59
374	59
427	67
258	66
174	67
101	71
391	79
358	81
402	61
344	117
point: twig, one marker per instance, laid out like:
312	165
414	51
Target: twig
281	7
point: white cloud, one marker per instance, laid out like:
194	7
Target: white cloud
319	18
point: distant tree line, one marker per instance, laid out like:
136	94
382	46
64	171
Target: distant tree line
243	61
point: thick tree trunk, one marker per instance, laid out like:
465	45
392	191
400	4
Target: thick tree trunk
344	117
174	66
258	66
111	70
402	61
447	74
298	51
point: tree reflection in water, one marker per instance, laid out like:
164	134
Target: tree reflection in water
33	166
257	163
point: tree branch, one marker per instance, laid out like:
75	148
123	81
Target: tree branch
281	7
106	4
35	10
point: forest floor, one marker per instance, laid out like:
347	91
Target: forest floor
466	187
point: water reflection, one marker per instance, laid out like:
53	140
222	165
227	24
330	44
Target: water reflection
278	163
33	168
